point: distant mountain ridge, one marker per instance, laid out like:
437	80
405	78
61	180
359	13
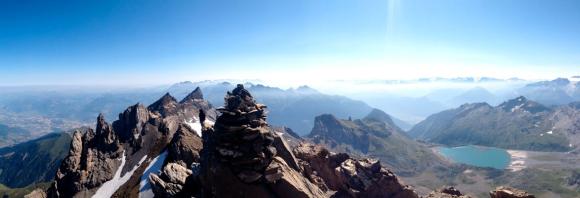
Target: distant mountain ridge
515	124
554	92
293	108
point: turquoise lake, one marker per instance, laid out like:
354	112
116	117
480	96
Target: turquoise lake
477	156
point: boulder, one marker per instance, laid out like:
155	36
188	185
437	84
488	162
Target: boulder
447	192
509	192
37	193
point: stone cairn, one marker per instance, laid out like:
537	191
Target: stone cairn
243	140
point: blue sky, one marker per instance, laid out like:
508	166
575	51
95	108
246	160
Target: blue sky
154	41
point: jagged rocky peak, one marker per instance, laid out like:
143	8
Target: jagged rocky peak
194	95
523	104
165	105
108	161
92	161
104	133
509	192
131	121
104	136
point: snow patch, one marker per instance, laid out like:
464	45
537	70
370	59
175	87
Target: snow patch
108	188
154	167
550	132
195	125
517	107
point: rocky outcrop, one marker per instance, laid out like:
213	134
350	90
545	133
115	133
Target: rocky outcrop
172	181
447	192
92	161
140	134
509	192
239	158
37	193
131	122
347	176
185	147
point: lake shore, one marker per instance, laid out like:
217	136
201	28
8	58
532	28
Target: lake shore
518	160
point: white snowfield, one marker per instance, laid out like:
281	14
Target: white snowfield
195	125
108	188
154	167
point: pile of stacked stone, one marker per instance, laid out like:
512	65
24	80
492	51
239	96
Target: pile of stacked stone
243	139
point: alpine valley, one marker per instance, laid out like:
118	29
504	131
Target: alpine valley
188	140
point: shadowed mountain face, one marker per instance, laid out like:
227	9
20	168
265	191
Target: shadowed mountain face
516	124
376	136
33	161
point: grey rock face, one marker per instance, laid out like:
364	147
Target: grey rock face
185	147
171	181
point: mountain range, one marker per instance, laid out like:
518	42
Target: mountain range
185	148
518	123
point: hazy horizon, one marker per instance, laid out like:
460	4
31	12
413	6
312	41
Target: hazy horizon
297	42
